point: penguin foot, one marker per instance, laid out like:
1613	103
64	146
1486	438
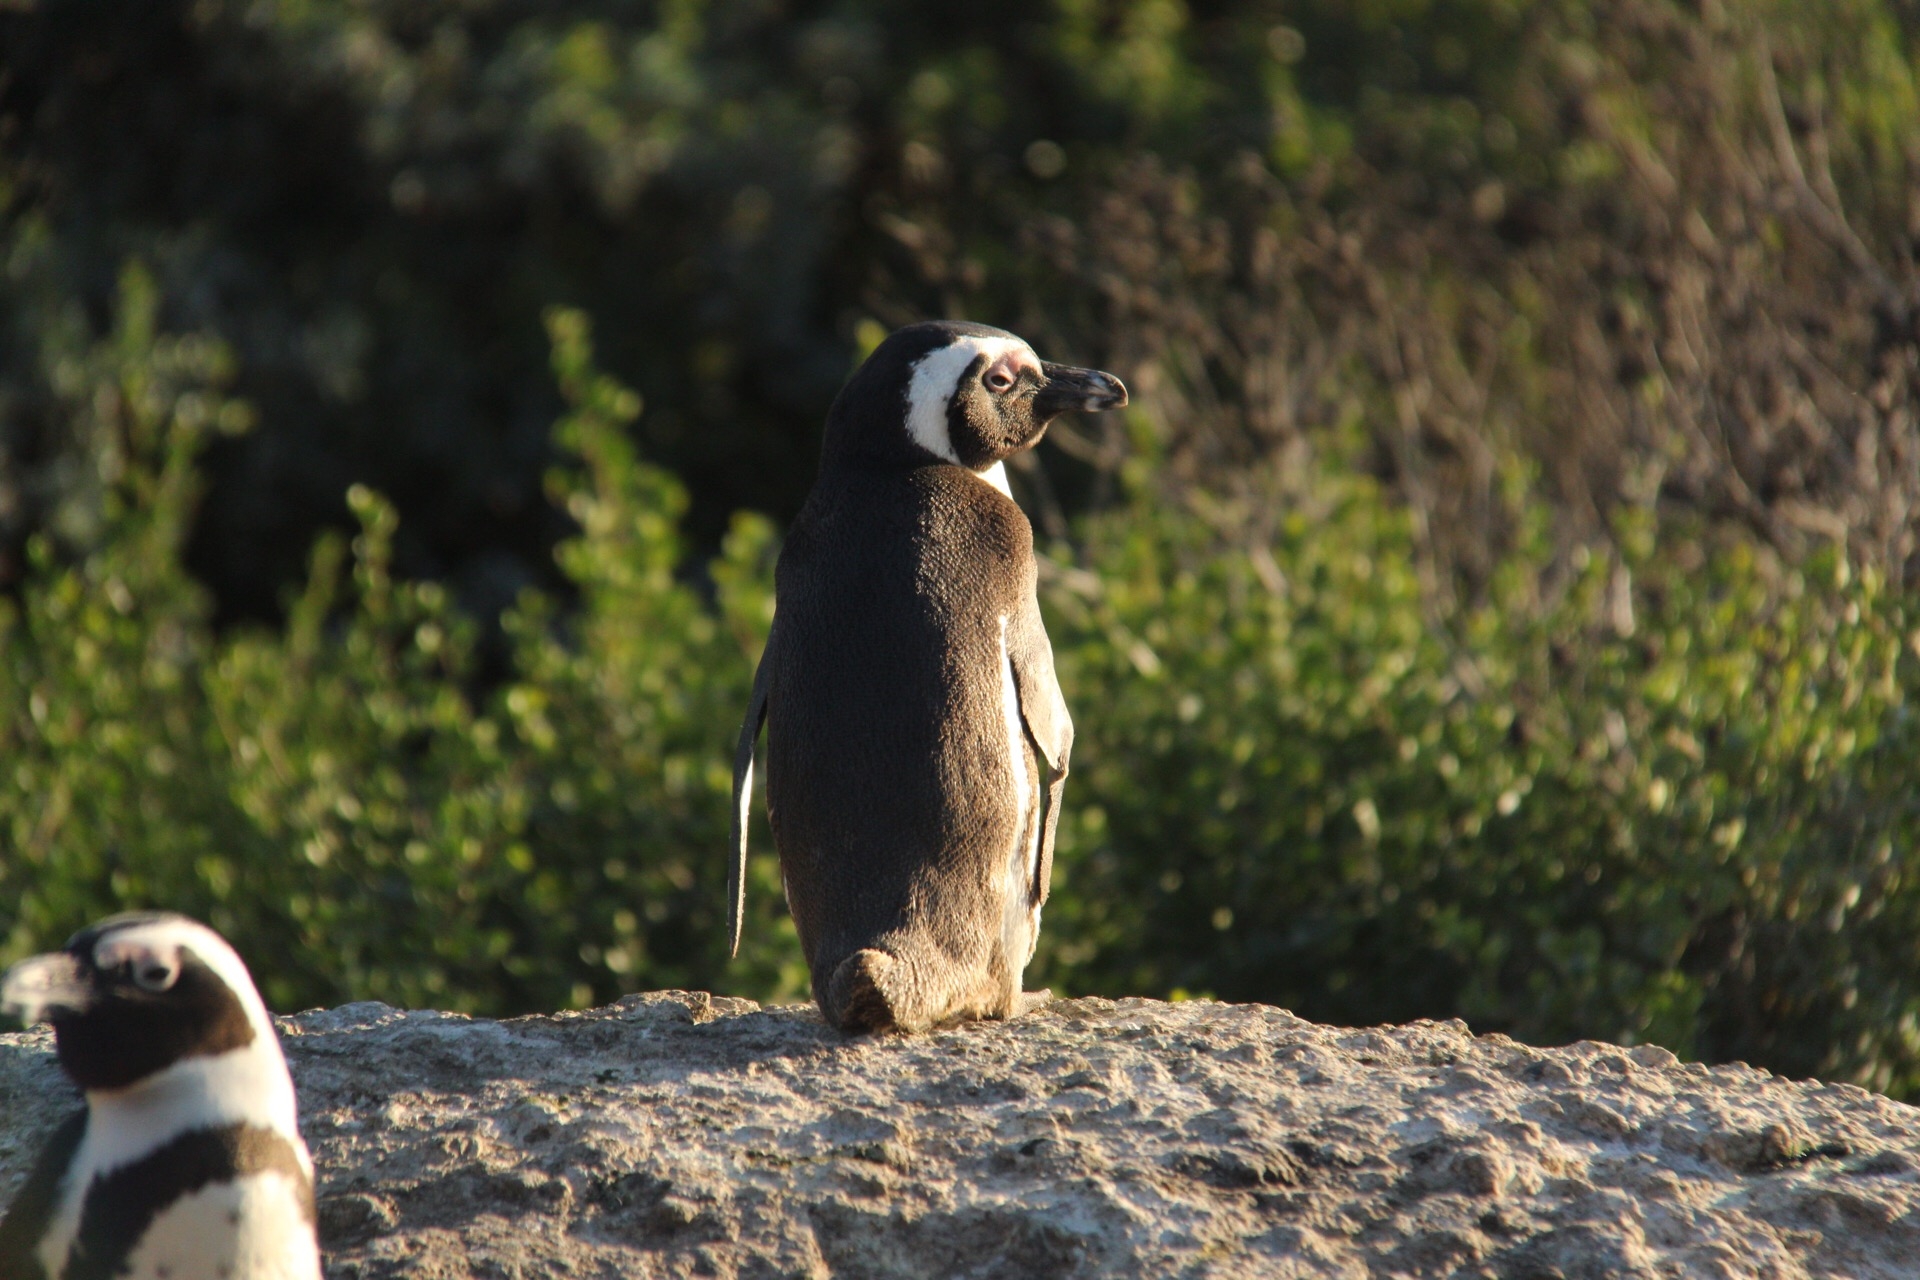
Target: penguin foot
1028	1001
857	995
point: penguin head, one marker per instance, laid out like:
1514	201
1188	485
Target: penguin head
134	994
962	393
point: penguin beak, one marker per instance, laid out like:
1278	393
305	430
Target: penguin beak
49	986
1069	390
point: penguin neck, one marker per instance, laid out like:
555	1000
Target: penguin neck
858	472
247	1085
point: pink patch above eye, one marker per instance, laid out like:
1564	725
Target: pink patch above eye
1005	370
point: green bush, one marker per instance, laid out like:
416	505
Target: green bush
1659	794
1671	801
334	796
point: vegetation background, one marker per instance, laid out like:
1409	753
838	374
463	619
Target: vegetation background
1499	601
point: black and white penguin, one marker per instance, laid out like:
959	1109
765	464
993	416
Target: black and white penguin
917	741
187	1162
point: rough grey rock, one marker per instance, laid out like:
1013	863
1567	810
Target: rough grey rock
678	1134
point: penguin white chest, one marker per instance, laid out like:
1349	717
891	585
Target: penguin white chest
1023	785
251	1228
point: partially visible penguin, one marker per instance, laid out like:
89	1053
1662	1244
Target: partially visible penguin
917	741
186	1163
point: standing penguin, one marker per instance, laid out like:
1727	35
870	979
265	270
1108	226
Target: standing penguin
917	741
187	1161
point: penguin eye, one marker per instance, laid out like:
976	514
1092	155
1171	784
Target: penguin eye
998	380
153	974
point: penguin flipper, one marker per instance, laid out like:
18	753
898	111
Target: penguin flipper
32	1209
1044	712
743	799
1043	869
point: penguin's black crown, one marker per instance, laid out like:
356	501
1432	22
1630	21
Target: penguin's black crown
953	391
134	994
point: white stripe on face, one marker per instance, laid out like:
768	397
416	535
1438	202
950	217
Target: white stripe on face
936	377
164	939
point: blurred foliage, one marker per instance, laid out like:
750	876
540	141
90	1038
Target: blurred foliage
336	795
1498	601
1691	823
1657	248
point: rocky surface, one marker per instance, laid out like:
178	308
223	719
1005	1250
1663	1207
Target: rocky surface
678	1135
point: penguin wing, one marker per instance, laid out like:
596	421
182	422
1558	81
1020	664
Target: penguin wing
1044	712
743	793
32	1210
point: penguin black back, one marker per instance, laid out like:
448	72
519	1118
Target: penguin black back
917	740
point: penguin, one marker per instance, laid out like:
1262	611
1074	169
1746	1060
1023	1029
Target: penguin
186	1162
917	740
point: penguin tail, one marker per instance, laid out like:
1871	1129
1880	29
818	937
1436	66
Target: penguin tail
866	994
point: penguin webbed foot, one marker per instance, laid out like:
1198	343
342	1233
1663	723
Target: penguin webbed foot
872	992
856	995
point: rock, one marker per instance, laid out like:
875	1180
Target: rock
679	1134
